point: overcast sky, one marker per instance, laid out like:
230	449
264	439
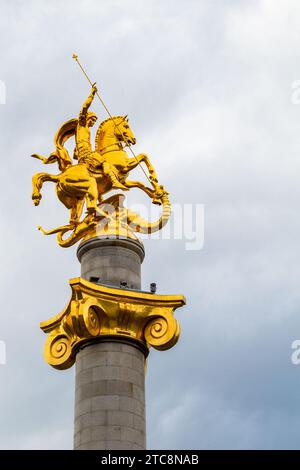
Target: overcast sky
208	89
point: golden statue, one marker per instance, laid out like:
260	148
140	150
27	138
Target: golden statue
94	173
96	310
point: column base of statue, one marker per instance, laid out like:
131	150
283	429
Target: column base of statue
107	328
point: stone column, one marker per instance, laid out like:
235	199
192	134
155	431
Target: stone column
106	329
110	373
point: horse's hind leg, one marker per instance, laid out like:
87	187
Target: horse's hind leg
37	183
76	211
92	197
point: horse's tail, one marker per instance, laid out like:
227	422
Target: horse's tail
37	183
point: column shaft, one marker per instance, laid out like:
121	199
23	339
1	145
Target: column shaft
110	374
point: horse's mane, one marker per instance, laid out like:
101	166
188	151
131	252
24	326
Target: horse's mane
103	123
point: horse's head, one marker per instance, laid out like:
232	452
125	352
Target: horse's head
122	130
112	131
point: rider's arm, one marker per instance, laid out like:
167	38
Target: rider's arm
86	105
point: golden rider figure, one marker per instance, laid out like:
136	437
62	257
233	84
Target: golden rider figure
94	161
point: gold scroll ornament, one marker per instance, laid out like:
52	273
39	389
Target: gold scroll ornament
96	311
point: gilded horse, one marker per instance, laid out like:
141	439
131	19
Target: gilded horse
83	183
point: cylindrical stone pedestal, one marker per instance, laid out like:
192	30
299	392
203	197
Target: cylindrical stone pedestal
110	374
112	261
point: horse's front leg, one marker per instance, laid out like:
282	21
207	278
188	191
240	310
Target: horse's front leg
152	172
143	187
134	162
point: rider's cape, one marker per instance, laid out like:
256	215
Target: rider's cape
61	154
